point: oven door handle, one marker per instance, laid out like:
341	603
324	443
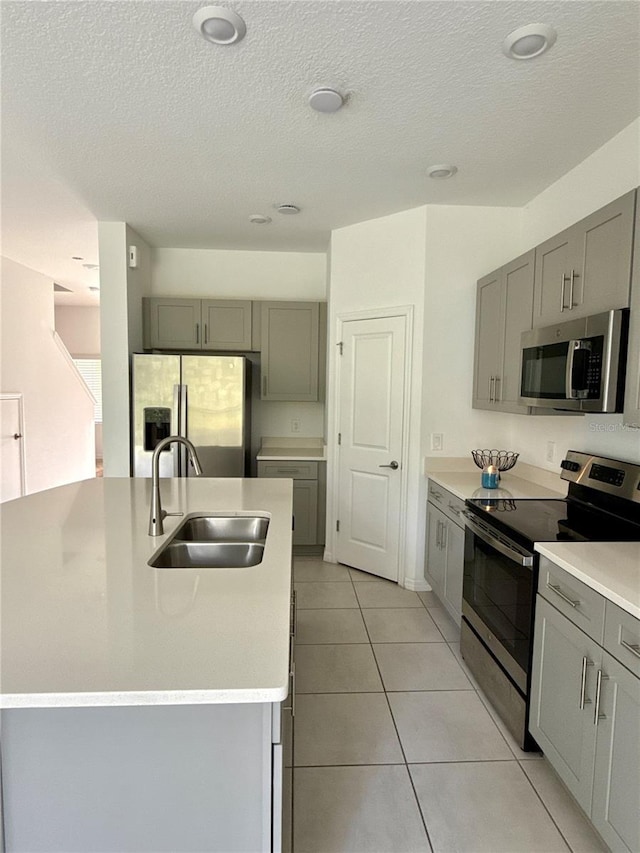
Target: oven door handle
516	556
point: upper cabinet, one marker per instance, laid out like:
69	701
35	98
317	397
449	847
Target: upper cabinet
504	307
587	268
204	324
291	344
631	416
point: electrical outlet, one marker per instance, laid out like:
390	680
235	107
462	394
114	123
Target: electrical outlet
295	424
437	441
551	451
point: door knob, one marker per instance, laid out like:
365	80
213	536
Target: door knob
17	435
393	465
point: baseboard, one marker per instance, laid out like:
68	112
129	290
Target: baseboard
328	557
416	585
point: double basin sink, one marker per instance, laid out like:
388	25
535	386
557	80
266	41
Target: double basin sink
214	542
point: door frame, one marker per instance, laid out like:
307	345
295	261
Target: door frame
23	468
333	461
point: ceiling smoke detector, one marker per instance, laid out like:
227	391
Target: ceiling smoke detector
219	25
529	42
442	170
326	100
287	209
259	219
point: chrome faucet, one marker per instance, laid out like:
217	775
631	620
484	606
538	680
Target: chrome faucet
157	514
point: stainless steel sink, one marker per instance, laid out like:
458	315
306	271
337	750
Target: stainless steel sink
208	555
214	542
221	528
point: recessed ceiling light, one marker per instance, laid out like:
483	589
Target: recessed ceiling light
326	100
529	42
95	289
288	209
259	219
219	25
442	170
76	258
90	266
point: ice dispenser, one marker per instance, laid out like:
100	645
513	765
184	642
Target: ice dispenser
157	425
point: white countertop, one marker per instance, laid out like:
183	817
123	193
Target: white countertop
291	449
468	485
610	568
85	620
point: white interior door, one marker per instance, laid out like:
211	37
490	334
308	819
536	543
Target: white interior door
372	376
12	444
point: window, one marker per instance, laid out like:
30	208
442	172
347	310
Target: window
91	372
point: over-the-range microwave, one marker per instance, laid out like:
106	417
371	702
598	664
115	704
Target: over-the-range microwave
578	365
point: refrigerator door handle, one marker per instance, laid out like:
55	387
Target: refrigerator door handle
183	428
176	448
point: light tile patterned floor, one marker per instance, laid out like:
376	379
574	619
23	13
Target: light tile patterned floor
394	747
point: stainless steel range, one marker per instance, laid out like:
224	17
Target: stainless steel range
501	570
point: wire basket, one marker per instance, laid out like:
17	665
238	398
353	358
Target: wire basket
503	460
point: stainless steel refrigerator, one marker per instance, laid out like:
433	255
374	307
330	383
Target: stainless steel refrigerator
202	397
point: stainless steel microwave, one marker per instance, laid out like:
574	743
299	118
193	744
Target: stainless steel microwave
576	366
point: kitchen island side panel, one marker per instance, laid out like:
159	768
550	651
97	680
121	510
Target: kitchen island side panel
157	778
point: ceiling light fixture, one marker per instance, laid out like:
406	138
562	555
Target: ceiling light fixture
219	25
76	258
442	170
326	100
287	209
259	219
529	42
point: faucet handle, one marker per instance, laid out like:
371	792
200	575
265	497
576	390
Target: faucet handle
165	514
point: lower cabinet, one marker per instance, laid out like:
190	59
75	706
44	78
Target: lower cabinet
308	505
585	706
444	559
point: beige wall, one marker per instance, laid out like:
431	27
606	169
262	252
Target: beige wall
79	328
58	409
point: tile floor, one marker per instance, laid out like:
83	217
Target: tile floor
394	747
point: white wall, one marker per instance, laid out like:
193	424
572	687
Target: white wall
121	292
58	409
79	328
381	264
238	275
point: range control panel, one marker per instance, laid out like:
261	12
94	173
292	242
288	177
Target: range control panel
606	475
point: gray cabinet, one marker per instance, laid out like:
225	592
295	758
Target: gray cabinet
306	526
444	557
585	701
631	416
204	324
504	306
586	269
290	347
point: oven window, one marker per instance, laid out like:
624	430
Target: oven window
544	371
501	594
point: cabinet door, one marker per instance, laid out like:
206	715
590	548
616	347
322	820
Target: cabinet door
289	339
435	554
305	512
552	268
488	344
173	323
226	324
454	569
631	416
616	788
602	259
518	278
563	681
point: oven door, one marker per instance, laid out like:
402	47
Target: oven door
498	594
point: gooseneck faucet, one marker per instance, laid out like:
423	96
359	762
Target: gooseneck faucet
157	514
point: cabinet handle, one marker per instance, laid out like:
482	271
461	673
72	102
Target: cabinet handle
563	281
292	706
436	495
596	714
571	281
495	389
491	388
634	648
583	681
438	534
564	597
294	613
197	333
205	333
443	544
454	509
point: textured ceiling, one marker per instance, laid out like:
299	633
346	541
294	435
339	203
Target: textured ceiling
135	117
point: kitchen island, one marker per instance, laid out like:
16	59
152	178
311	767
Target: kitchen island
141	706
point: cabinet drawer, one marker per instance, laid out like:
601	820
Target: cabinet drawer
294	470
622	636
578	602
448	503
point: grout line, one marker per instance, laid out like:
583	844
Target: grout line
544	806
